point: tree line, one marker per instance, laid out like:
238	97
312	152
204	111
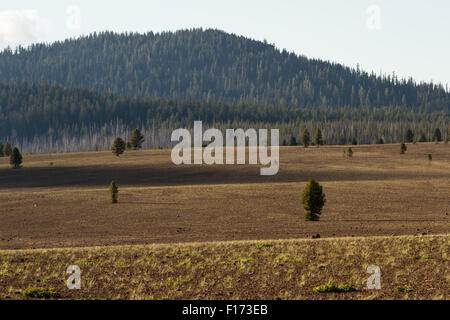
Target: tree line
42	118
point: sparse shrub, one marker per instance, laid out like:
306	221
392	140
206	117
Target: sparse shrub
41	293
329	287
51	164
403	148
306	138
313	200
114	191
446	140
15	159
422	138
403	289
118	146
264	245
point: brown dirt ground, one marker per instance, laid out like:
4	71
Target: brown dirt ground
377	192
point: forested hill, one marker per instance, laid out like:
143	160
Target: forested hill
211	66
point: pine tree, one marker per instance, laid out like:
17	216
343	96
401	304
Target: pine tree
306	138
1	150
15	158
422	138
114	191
7	149
437	136
318	138
136	139
293	141
409	136
313	200
403	148
118	146
349	152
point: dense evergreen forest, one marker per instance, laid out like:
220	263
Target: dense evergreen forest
213	66
42	118
81	93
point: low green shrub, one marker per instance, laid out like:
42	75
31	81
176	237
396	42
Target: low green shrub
41	293
329	287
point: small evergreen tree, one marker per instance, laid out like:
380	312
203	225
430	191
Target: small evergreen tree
118	146
136	139
293	141
318	137
430	157
114	191
354	141
409	136
306	138
1	149
15	159
380	141
349	152
7	149
403	148
422	138
437	135
313	200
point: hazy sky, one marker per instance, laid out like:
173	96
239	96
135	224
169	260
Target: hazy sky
411	37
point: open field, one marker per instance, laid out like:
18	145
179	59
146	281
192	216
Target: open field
377	192
286	269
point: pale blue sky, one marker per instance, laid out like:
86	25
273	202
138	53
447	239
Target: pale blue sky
412	38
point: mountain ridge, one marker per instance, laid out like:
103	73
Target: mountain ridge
213	66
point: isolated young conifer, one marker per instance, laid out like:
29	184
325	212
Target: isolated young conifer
380	141
313	200
306	138
437	135
409	136
318	138
136	139
430	157
118	146
403	148
1	149
114	191
15	159
7	149
349	152
293	141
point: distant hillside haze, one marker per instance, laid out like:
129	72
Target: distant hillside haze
210	66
